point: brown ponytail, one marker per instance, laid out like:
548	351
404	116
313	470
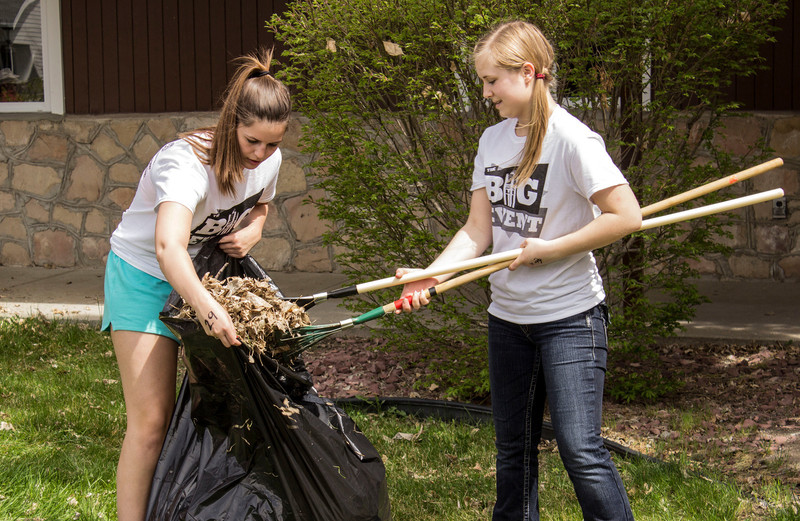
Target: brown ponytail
252	95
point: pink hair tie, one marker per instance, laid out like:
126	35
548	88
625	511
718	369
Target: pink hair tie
539	75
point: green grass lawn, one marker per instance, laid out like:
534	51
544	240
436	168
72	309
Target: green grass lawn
62	421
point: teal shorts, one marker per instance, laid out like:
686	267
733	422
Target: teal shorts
133	299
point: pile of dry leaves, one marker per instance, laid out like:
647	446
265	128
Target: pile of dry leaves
261	317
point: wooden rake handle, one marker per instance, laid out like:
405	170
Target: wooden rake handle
450	284
710	209
647	224
647	210
711	187
508	257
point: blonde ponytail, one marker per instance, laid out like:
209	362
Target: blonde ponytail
510	46
540	112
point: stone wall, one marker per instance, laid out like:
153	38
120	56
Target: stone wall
763	247
65	181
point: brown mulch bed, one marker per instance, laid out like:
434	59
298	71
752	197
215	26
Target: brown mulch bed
735	407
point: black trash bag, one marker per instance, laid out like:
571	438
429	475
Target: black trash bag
253	441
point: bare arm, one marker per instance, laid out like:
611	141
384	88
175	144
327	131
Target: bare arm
173	225
620	216
239	242
470	241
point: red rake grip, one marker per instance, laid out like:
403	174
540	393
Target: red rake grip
430	292
398	304
450	284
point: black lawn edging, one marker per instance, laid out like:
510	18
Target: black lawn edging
463	412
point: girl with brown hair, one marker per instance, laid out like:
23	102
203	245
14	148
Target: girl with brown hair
212	183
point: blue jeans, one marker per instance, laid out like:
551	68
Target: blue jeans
563	362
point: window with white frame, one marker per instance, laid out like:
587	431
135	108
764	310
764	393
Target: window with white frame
31	78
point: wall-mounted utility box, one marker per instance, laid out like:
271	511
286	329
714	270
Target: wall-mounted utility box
779	208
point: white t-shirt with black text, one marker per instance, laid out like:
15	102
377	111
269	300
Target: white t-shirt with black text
574	165
176	174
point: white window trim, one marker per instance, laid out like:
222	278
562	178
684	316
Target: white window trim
51	63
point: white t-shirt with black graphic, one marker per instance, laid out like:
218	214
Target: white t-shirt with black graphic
574	165
176	174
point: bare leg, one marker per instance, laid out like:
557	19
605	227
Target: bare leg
147	365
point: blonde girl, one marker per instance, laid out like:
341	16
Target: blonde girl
544	182
211	183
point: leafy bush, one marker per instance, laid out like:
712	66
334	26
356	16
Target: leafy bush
395	112
394	119
652	77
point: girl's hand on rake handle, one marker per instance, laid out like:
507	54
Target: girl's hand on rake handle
414	294
435	287
534	253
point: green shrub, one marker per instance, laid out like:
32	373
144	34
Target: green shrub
653	77
394	112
